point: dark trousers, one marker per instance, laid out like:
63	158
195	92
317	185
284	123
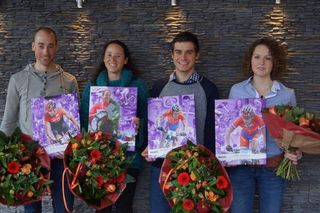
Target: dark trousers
125	201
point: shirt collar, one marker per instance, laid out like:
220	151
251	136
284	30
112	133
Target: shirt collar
192	79
275	87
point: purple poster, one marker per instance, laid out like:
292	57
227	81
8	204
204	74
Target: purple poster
171	122
53	119
240	132
112	110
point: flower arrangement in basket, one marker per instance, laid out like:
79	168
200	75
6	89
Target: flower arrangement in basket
193	180
24	169
96	168
293	129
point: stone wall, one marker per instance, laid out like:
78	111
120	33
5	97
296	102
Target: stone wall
225	29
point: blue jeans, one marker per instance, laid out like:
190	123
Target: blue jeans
245	180
158	202
56	191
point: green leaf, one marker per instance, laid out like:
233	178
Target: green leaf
6	182
298	111
32	145
190	144
3	140
289	116
4	162
16	134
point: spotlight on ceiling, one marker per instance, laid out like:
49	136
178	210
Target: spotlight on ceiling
79	3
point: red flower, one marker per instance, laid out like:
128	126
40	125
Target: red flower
121	177
203	207
188	205
13	167
99	180
222	182
95	154
183	178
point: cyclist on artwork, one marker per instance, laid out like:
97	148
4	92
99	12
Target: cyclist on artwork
252	127
105	115
55	125
172	118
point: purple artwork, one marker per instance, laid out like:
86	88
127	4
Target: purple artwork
112	110
240	132
53	119
171	122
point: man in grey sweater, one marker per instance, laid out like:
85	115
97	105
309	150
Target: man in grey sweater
42	78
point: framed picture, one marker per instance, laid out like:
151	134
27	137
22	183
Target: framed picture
240	132
112	110
171	122
53	119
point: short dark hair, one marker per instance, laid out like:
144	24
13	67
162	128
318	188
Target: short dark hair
278	53
48	30
186	37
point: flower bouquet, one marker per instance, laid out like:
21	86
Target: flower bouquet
193	180
96	168
293	129
24	169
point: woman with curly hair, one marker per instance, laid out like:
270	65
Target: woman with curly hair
264	64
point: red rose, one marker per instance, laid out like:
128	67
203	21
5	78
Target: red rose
121	177
99	180
183	178
203	207
188	205
13	167
95	154
222	182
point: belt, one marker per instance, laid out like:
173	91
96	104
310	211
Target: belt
274	161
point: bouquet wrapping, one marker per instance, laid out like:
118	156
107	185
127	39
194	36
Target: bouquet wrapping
193	180
96	168
293	129
24	169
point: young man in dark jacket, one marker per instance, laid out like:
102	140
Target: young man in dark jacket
184	81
